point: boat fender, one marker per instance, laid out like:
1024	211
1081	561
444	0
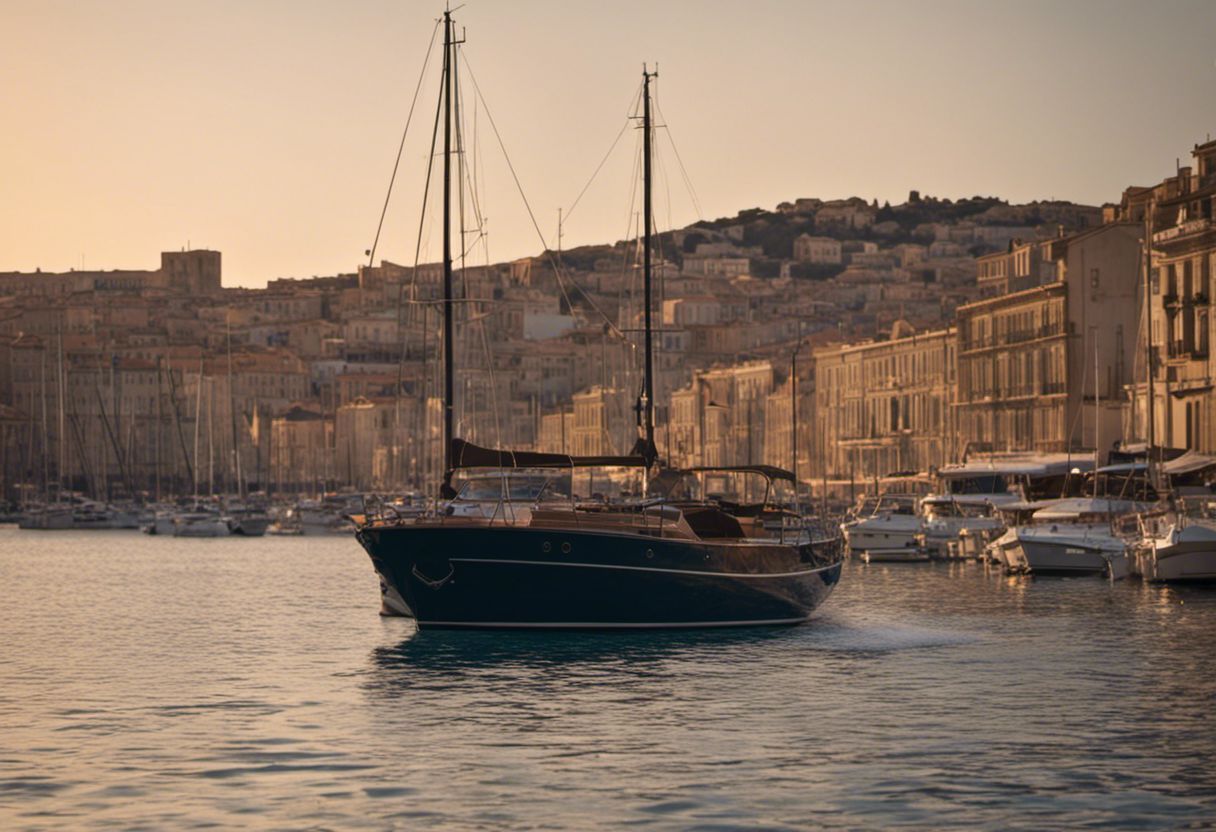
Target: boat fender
435	584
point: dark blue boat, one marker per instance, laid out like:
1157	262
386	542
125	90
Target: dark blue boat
665	565
657	562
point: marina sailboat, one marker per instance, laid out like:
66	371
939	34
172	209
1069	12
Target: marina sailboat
651	562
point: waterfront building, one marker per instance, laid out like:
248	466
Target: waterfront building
363	441
719	418
602	425
886	406
1183	321
301	443
17	463
1062	311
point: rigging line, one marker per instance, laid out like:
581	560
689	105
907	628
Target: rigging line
470	182
468	178
628	346
371	253
666	180
633	196
460	212
531	215
692	192
401	330
599	167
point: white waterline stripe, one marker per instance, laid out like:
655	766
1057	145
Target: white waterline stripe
605	625
642	568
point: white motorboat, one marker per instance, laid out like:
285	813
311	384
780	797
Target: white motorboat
1068	549
906	554
959	519
247	521
1184	550
1073	537
893	525
1013	515
200	524
47	517
965	512
160	523
326	516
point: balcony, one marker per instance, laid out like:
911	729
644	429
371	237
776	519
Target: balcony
1020	336
1183	229
1185	351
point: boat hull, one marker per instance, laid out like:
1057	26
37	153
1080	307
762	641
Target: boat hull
904	555
249	526
1185	555
1176	563
202	528
503	577
1065	557
883	533
46	521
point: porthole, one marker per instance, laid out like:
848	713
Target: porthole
566	548
650	553
546	546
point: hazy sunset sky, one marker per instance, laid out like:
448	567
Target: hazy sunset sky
267	129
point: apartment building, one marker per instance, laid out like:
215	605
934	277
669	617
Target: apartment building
884	406
1183	283
1043	362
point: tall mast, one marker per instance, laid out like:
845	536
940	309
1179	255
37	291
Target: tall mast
648	383
448	345
1148	335
236	450
61	397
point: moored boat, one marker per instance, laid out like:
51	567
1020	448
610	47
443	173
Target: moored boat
1183	550
200	524
893	525
1073	537
46	517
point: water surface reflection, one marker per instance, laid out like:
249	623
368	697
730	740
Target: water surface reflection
921	696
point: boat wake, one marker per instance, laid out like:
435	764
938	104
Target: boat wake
836	632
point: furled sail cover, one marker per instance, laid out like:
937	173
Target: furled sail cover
467	455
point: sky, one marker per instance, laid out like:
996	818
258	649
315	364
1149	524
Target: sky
268	129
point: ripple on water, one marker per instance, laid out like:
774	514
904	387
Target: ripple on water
922	697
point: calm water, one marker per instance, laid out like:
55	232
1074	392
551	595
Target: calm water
151	683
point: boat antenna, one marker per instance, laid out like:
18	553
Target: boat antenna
645	406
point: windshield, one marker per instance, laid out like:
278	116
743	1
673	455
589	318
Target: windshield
943	508
517	488
896	505
981	484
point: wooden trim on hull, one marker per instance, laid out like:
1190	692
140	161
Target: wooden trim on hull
693	572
